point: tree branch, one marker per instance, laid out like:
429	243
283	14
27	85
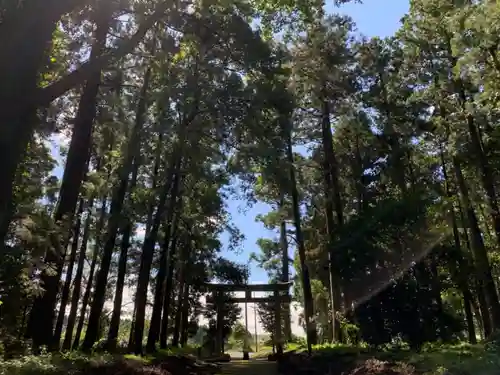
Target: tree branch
47	94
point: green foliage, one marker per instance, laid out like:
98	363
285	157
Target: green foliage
240	337
52	364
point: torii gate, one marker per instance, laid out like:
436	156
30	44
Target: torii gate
219	299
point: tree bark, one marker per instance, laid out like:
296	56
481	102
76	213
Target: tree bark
333	203
154	182
75	297
459	269
483	268
19	93
93	264
25	37
306	280
69	276
169	285
174	204
74	172
185	316
287	326
180	297
147	258
114	325
115	217
484	319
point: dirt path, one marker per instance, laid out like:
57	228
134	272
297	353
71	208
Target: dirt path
252	367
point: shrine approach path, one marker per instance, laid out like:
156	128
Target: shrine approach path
251	367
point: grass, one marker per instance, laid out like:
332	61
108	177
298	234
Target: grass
73	362
265	350
434	359
459	359
456	359
51	364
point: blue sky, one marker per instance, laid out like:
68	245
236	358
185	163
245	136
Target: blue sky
373	18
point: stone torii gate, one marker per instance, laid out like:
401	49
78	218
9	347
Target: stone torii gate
219	299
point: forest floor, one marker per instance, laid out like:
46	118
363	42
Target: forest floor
460	359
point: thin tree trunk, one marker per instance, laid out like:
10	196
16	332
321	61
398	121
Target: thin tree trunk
147	259
285	271
154	182
114	325
461	271
332	197
131	333
306	280
483	268
469	317
69	276
115	217
479	318
484	316
487	176
169	285
93	264
75	297
185	316
180	299
150	240
174	203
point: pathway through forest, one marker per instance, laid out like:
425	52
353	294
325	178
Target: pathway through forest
251	367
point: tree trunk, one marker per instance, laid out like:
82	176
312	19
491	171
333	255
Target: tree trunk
114	325
483	268
147	256
185	316
169	285
469	317
332	199
180	298
130	345
93	264
74	172
154	182
174	203
26	44
460	269
75	297
67	283
487	177
306	280
486	173
115	217
285	271
25	37
484	317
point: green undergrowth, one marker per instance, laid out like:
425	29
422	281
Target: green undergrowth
264	351
433	359
74	362
459	359
52	364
